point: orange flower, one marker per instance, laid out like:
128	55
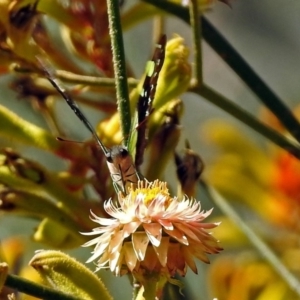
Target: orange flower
288	175
152	233
244	172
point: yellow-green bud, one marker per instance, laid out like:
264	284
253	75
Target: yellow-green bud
68	275
175	76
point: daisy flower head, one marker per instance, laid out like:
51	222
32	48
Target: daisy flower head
151	232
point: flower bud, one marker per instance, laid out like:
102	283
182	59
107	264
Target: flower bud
68	275
189	169
176	73
18	21
164	136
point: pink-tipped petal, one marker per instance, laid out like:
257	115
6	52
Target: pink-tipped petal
140	242
162	251
178	235
154	232
130	257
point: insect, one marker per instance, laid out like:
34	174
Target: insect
119	161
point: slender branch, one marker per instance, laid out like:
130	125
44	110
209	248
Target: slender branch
91	80
256	241
36	290
70	77
239	65
136	288
158	28
172	8
115	31
197	47
254	82
242	115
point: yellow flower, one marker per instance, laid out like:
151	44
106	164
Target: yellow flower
243	171
152	233
247	276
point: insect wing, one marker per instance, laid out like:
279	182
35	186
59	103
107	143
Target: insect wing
144	106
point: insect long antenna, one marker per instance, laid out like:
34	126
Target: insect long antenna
119	161
73	105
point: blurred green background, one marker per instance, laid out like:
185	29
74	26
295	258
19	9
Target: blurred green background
265	33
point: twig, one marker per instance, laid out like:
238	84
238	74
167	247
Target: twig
115	32
36	290
197	40
70	77
242	115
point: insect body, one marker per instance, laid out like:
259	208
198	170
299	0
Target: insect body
121	167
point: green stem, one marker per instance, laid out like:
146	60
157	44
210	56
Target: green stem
254	82
136	289
196	29
242	115
158	28
91	80
36	290
239	65
115	31
70	77
150	289
256	241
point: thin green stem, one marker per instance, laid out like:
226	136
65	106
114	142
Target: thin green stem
36	290
239	65
70	77
171	8
136	288
256	241
197	47
254	82
158	28
115	31
150	288
242	115
91	80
